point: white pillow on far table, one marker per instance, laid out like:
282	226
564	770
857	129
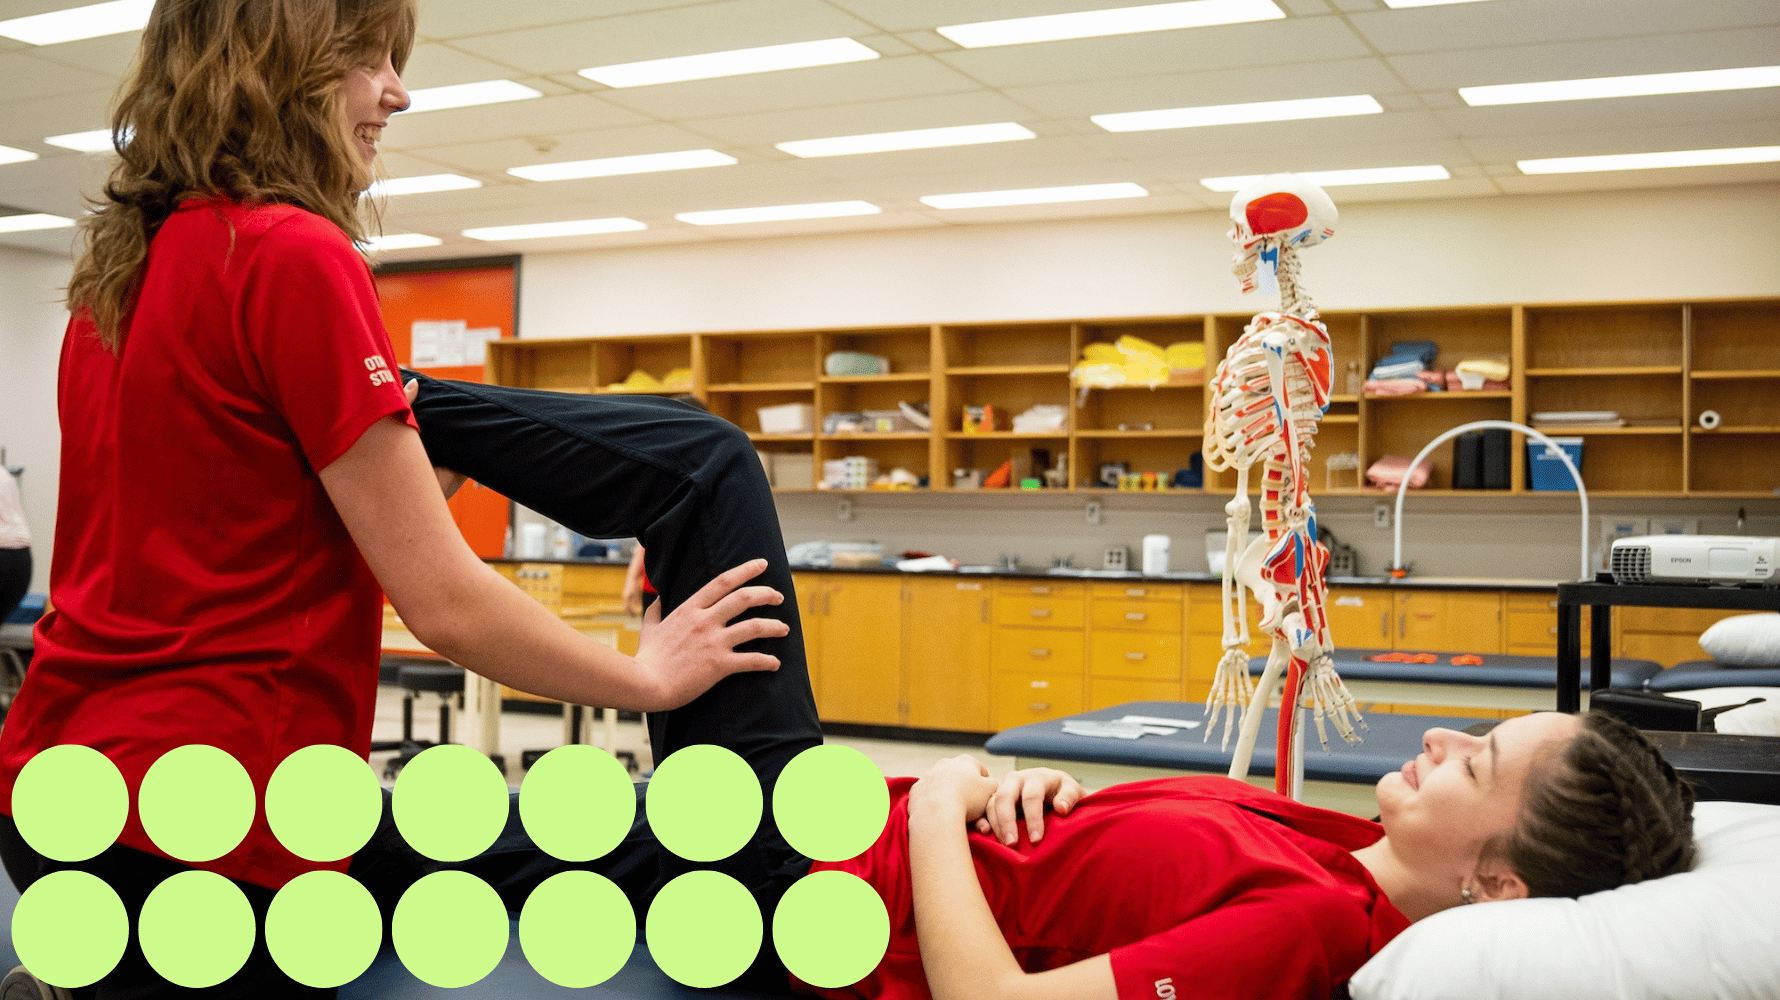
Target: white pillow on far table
1712	933
1745	640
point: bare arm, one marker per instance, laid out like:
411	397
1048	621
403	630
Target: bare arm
390	499
632	594
962	949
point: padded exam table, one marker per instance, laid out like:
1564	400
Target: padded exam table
1520	683
1342	778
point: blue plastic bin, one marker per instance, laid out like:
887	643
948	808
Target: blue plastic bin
1545	471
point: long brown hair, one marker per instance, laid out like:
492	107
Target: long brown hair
237	98
1608	810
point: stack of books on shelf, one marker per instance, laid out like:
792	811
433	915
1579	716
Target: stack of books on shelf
1577	420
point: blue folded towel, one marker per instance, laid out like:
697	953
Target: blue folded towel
1426	350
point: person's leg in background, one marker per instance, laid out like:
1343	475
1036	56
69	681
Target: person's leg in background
690	486
15	579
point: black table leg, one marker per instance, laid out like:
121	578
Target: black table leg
1600	656
1569	658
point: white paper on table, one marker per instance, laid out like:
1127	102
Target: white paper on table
451	343
423	349
476	343
1115	730
1156	720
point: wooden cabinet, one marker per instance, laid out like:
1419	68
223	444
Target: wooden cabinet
1530	624
1656	366
1039	651
945	653
1458	621
1666	635
858	628
1361	617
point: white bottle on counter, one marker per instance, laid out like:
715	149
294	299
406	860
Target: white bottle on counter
1155	555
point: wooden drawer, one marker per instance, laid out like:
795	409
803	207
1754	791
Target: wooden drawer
1043	610
1140	616
1105	692
1046	650
1047	588
1136	591
1134	655
1536	634
1018	698
1518	601
1672	621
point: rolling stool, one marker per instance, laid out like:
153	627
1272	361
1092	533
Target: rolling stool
416	679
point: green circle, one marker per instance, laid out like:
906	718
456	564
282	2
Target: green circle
323	929
704	802
69	928
577	929
831	929
831	802
577	803
450	802
450	929
69	802
704	929
196	802
323	802
196	929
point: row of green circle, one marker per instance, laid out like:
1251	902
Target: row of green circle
196	803
450	929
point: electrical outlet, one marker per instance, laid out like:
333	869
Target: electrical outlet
1381	517
844	510
1093	512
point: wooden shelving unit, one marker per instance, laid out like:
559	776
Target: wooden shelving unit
1659	365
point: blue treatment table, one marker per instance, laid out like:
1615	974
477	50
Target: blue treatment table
1342	778
1519	683
1698	674
513	978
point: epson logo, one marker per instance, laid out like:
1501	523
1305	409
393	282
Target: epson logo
1681	559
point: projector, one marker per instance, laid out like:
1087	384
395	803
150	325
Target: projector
1727	560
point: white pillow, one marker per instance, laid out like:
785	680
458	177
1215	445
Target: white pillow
1712	933
1745	640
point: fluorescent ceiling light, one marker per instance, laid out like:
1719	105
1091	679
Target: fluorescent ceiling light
1237	114
540	230
735	62
463	95
1424	3
1115	21
612	166
424	184
779	213
402	241
1651	161
1747	78
11	155
76	23
921	138
1336	178
32	222
96	141
1036	196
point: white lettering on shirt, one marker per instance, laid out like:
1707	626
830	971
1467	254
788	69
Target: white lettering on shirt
379	369
1165	988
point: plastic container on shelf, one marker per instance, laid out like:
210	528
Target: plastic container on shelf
788	418
1546	471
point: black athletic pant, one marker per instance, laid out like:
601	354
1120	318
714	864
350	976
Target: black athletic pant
15	579
690	486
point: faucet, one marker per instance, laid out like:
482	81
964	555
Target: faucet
1010	563
1063	562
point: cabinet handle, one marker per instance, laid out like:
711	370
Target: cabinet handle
985	609
1134	656
1041	612
1135	616
1041	684
1040	652
1041	590
1384	624
1402	625
970	586
1551	604
1552	630
1038	706
1135	592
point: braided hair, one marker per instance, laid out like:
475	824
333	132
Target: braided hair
1607	811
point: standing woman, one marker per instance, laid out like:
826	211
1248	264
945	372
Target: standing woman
240	468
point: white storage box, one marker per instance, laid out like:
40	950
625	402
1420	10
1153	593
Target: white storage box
790	418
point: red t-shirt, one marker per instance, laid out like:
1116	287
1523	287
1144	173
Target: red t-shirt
1198	887
205	589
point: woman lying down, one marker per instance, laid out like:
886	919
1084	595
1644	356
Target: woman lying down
1028	887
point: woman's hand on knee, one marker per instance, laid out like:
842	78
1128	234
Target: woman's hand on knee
695	647
1027	793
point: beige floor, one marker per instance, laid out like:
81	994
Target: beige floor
522	731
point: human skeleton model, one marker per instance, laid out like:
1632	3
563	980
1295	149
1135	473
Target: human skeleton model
1268	394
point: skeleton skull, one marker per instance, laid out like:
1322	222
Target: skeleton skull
1285	209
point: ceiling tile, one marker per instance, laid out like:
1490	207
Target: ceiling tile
1538	22
108	55
1664	111
24	76
478	17
905	15
1623	139
658	34
1231	86
496	157
538	116
1294	42
878	80
1587	59
27	123
763	130
437	64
